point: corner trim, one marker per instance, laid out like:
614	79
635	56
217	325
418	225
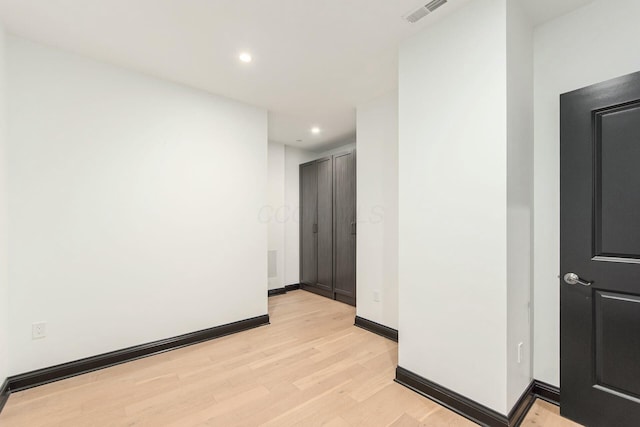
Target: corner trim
473	410
522	406
93	363
277	291
4	393
282	291
377	328
468	408
547	392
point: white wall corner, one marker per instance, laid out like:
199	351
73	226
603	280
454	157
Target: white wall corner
4	265
519	200
453	203
377	237
276	215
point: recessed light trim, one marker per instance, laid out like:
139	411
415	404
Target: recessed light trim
315	130
245	57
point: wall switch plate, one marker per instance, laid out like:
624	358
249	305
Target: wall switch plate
376	296
38	330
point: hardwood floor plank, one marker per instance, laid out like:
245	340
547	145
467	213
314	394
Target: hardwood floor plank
546	414
405	420
310	367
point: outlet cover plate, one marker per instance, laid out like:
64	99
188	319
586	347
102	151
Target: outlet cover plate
38	330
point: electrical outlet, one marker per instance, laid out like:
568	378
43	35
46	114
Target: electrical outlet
376	296
520	345
38	330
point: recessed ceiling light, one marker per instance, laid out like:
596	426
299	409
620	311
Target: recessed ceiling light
245	57
315	130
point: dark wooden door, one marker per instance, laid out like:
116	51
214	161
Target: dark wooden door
600	254
345	227
325	226
308	224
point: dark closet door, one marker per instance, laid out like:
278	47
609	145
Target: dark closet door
345	227
325	226
308	224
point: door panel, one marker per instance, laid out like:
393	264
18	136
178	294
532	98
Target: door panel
618	204
600	242
308	218
618	342
325	225
345	227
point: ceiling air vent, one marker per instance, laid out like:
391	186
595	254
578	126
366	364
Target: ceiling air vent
417	15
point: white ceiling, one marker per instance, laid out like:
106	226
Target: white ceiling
314	61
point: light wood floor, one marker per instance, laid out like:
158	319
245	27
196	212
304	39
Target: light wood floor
310	367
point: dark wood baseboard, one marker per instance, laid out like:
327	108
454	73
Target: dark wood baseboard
4	393
82	366
317	290
475	411
547	392
522	406
377	328
345	299
466	407
282	291
329	293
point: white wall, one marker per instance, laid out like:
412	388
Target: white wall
377	238
349	146
274	214
519	199
595	43
293	157
453	203
133	207
4	296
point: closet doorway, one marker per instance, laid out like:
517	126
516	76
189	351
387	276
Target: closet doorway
328	227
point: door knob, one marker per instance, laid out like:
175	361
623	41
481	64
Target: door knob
574	279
